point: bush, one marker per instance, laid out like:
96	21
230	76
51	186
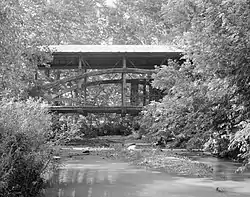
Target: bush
240	142
195	143
24	151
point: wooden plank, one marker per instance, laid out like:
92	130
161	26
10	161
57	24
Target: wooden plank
97	65
80	77
94	109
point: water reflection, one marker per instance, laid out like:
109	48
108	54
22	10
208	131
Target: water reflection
100	178
223	169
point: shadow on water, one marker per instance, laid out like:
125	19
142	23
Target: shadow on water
96	177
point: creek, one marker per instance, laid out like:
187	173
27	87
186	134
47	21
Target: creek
93	176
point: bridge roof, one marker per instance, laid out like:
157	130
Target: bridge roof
114	49
109	56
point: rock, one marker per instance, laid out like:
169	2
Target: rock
218	189
160	142
87	152
132	147
56	157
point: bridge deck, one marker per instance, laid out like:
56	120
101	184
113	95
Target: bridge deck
95	109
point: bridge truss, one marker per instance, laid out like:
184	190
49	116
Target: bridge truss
75	69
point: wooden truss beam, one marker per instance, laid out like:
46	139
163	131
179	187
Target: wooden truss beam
81	76
101	82
94	109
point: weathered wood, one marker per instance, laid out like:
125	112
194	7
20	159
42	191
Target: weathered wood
111	60
85	88
99	65
67	101
145	92
58	75
36	75
80	77
151	92
124	64
134	94
79	86
113	81
101	82
93	109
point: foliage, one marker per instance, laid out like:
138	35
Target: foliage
24	151
67	127
210	92
241	141
136	22
207	94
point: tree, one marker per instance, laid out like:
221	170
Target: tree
212	93
136	22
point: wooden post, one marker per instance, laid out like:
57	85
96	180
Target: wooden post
36	75
85	88
124	65
80	67
79	84
144	92
57	78
58	73
134	96
151	93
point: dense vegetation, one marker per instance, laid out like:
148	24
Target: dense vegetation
206	100
24	149
207	97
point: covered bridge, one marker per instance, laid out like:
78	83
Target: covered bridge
130	66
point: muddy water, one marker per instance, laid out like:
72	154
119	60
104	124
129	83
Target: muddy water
95	177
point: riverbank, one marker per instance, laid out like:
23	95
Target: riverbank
167	161
163	160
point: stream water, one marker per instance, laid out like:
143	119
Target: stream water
93	176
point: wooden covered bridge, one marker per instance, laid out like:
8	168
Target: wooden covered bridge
75	68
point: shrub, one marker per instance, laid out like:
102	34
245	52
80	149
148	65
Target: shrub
195	143
24	150
240	142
